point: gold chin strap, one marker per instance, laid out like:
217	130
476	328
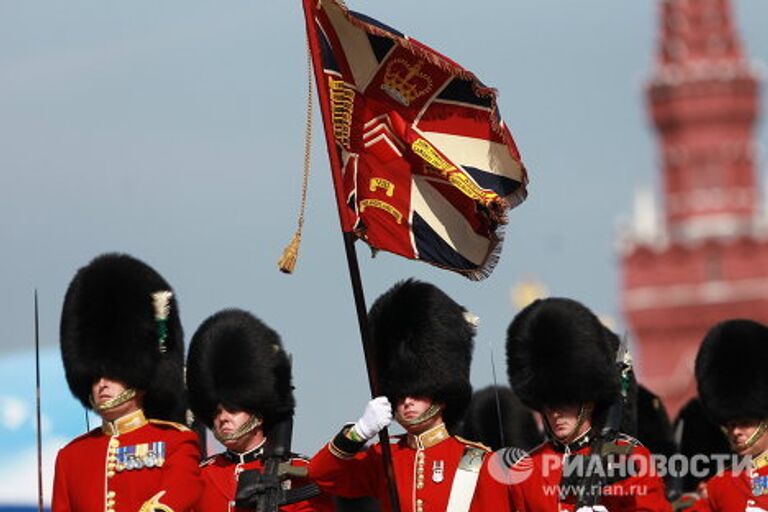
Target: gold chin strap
755	437
430	413
120	399
246	427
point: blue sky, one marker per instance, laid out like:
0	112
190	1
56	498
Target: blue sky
174	131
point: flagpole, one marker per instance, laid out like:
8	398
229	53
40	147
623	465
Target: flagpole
373	381
37	411
349	247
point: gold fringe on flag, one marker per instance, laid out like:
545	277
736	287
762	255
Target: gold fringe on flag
287	262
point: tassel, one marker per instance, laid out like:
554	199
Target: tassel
287	262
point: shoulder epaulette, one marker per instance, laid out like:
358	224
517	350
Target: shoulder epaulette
476	444
173	424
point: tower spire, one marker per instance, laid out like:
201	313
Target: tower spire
695	31
703	260
703	97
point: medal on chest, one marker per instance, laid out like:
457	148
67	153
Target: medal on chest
438	471
759	485
139	456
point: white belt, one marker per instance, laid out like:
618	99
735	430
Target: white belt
465	480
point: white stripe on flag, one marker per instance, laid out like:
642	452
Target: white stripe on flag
481	154
447	221
357	49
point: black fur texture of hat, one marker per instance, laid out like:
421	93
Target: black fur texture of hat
731	371
558	353
654	428
496	410
423	346
238	362
699	435
109	329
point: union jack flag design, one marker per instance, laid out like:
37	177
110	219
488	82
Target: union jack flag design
427	168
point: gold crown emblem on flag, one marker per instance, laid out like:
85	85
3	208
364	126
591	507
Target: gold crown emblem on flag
404	81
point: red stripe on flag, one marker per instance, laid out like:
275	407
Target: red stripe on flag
457	119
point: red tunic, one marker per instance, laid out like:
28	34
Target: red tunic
129	465
220	473
691	502
424	468
539	491
732	491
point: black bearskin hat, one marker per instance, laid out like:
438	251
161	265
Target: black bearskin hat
730	371
238	362
109	329
423	344
698	435
654	429
559	353
481	421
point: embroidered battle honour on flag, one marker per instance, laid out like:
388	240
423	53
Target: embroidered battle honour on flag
423	165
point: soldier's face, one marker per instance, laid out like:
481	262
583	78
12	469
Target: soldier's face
227	421
741	431
563	421
104	390
410	408
236	429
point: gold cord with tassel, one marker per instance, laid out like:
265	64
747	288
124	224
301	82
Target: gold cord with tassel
287	262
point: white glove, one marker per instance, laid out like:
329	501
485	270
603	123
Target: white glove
377	415
596	508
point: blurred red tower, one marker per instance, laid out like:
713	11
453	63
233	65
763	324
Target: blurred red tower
705	258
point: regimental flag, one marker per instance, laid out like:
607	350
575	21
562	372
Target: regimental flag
423	165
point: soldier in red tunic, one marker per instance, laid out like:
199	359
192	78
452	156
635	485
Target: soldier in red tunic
122	346
423	345
733	387
239	380
561	362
